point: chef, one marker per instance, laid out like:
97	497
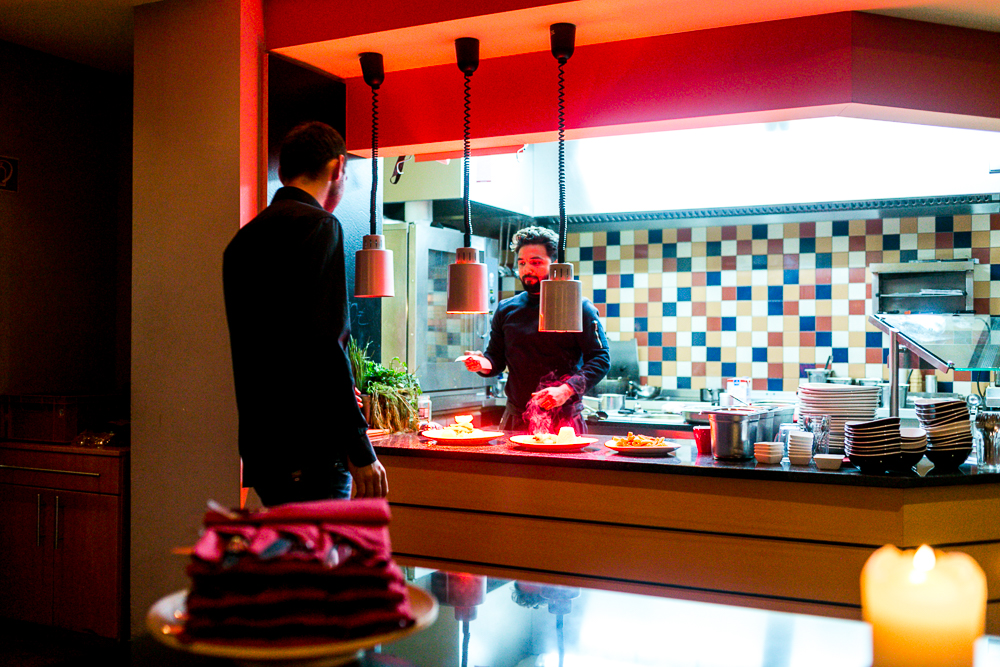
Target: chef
548	372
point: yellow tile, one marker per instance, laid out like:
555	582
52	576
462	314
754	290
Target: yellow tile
670	235
744	368
713	309
683	354
758	324
839	323
776	262
856	370
641	236
614	295
981	289
807	276
856	339
655	279
790	293
684	279
790	230
744	308
758	293
962	223
714	233
600	239
891	256
775	355
743	278
698	294
926	241
729	354
713	263
758	246
698	249
836	292
713	369
994	255
683	324
790	371
980	239
744	233
790	322
824	244
824	307
642	295
656	251
873	242
775	276
641	266
840	260
627	310
713	338
627	251
744	339
944	253
907	225
614	266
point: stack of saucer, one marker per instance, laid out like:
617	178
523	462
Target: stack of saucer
769	452
873	446
913	443
842	402
800	448
949	430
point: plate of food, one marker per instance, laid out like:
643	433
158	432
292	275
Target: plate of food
641	445
566	441
462	433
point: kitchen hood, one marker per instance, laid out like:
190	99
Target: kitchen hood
770	172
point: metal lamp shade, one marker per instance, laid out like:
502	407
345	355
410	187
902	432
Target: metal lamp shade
373	268
468	286
561	301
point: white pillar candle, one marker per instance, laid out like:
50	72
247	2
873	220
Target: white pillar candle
926	607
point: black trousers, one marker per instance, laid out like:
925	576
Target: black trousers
303	486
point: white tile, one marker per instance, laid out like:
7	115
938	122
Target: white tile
586	239
699	264
758	369
874	370
655	265
857	291
627	267
626	295
713	294
841	243
627	237
856	355
927	253
840	339
824	229
790	355
758	277
926	224
890	226
775	323
572	254
980	222
807	260
600	281
857	259
699	323
641	280
790	247
699	353
684	369
807	307
744	323
668	324
613	252
728	248
744	354
758	308
994	238
699	234
626	325
668	382
729	278
758	339
963	253
821	355
744	262
839	276
684	249
907	241
669	294
728	309
669	278
775	231
857	323
839	307
683	309
728	339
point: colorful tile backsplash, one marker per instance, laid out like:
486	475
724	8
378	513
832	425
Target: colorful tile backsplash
766	301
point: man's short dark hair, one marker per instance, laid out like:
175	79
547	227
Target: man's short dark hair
307	149
536	236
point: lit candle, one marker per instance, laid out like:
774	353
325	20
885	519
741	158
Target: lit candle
926	607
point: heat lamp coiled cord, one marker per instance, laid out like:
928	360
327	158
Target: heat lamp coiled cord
374	203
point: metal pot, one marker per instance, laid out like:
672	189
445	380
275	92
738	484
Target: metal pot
612	402
642	391
734	432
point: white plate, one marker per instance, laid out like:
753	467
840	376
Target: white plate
665	450
162	623
478	437
528	442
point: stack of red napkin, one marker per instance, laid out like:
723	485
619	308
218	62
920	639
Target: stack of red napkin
296	571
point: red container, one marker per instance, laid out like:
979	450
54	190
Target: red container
47	418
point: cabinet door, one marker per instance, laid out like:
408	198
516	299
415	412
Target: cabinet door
25	554
87	562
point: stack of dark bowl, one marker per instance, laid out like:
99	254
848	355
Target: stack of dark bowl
873	446
949	430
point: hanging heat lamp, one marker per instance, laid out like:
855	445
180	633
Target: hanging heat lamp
561	307
468	286
373	263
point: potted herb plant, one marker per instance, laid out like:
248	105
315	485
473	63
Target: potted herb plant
389	393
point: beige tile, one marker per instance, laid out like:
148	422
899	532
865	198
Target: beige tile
824	307
790	323
926	241
839	323
627	252
840	260
790	230
963	223
713	263
759	246
698	249
824	244
744	308
836	291
641	265
907	225
873	242
713	309
714	233
697	294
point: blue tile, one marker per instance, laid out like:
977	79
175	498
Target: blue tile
655	339
713	249
807	245
760	354
775	384
824	292
600	296
907	255
728	369
775	307
586	254
791	276
683	293
840	355
656	236
807	323
824	260
885	360
683	265
775	293
729	324
713	354
944	223
627	280
981	376
873	339
890	242
745	292
759	232
962	240
670	309
683	383
614	309
994	271
946	387
713	278
669	250
641	324
669	353
655	368
824	338
697	339
600	267
614	238
841	228
759	261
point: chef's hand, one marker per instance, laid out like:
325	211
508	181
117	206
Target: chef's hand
369	480
477	362
552	397
357	397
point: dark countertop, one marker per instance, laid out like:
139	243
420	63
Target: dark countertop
684	461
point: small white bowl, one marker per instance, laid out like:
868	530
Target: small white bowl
828	461
767	458
797	460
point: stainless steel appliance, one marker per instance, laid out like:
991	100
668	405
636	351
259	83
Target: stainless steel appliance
415	325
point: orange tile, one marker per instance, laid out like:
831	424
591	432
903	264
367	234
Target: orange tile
873	355
791	308
699	308
855	307
775	339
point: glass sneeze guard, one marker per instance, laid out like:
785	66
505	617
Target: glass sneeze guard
961	342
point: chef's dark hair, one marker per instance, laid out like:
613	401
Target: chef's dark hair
536	236
307	149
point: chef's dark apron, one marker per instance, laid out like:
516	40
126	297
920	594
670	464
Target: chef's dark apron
512	420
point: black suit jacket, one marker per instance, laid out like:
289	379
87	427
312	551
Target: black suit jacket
286	304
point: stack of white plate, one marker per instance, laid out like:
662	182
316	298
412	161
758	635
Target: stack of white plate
949	430
843	402
769	452
913	443
873	446
800	448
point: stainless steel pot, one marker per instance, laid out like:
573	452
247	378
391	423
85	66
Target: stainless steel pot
734	432
642	391
612	402
773	415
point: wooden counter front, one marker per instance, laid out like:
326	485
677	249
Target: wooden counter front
776	537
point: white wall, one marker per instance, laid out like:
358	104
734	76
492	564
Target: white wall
186	207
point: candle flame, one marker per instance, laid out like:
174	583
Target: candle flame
923	562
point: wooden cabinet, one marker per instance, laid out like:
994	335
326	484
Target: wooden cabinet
64	534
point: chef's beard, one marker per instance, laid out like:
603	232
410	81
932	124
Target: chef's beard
533	286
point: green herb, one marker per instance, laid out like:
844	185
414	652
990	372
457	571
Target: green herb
392	391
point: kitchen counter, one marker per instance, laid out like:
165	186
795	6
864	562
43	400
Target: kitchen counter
785	538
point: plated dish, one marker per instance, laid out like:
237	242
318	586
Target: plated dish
641	445
540	443
446	437
163	624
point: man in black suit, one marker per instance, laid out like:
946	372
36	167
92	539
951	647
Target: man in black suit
302	435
